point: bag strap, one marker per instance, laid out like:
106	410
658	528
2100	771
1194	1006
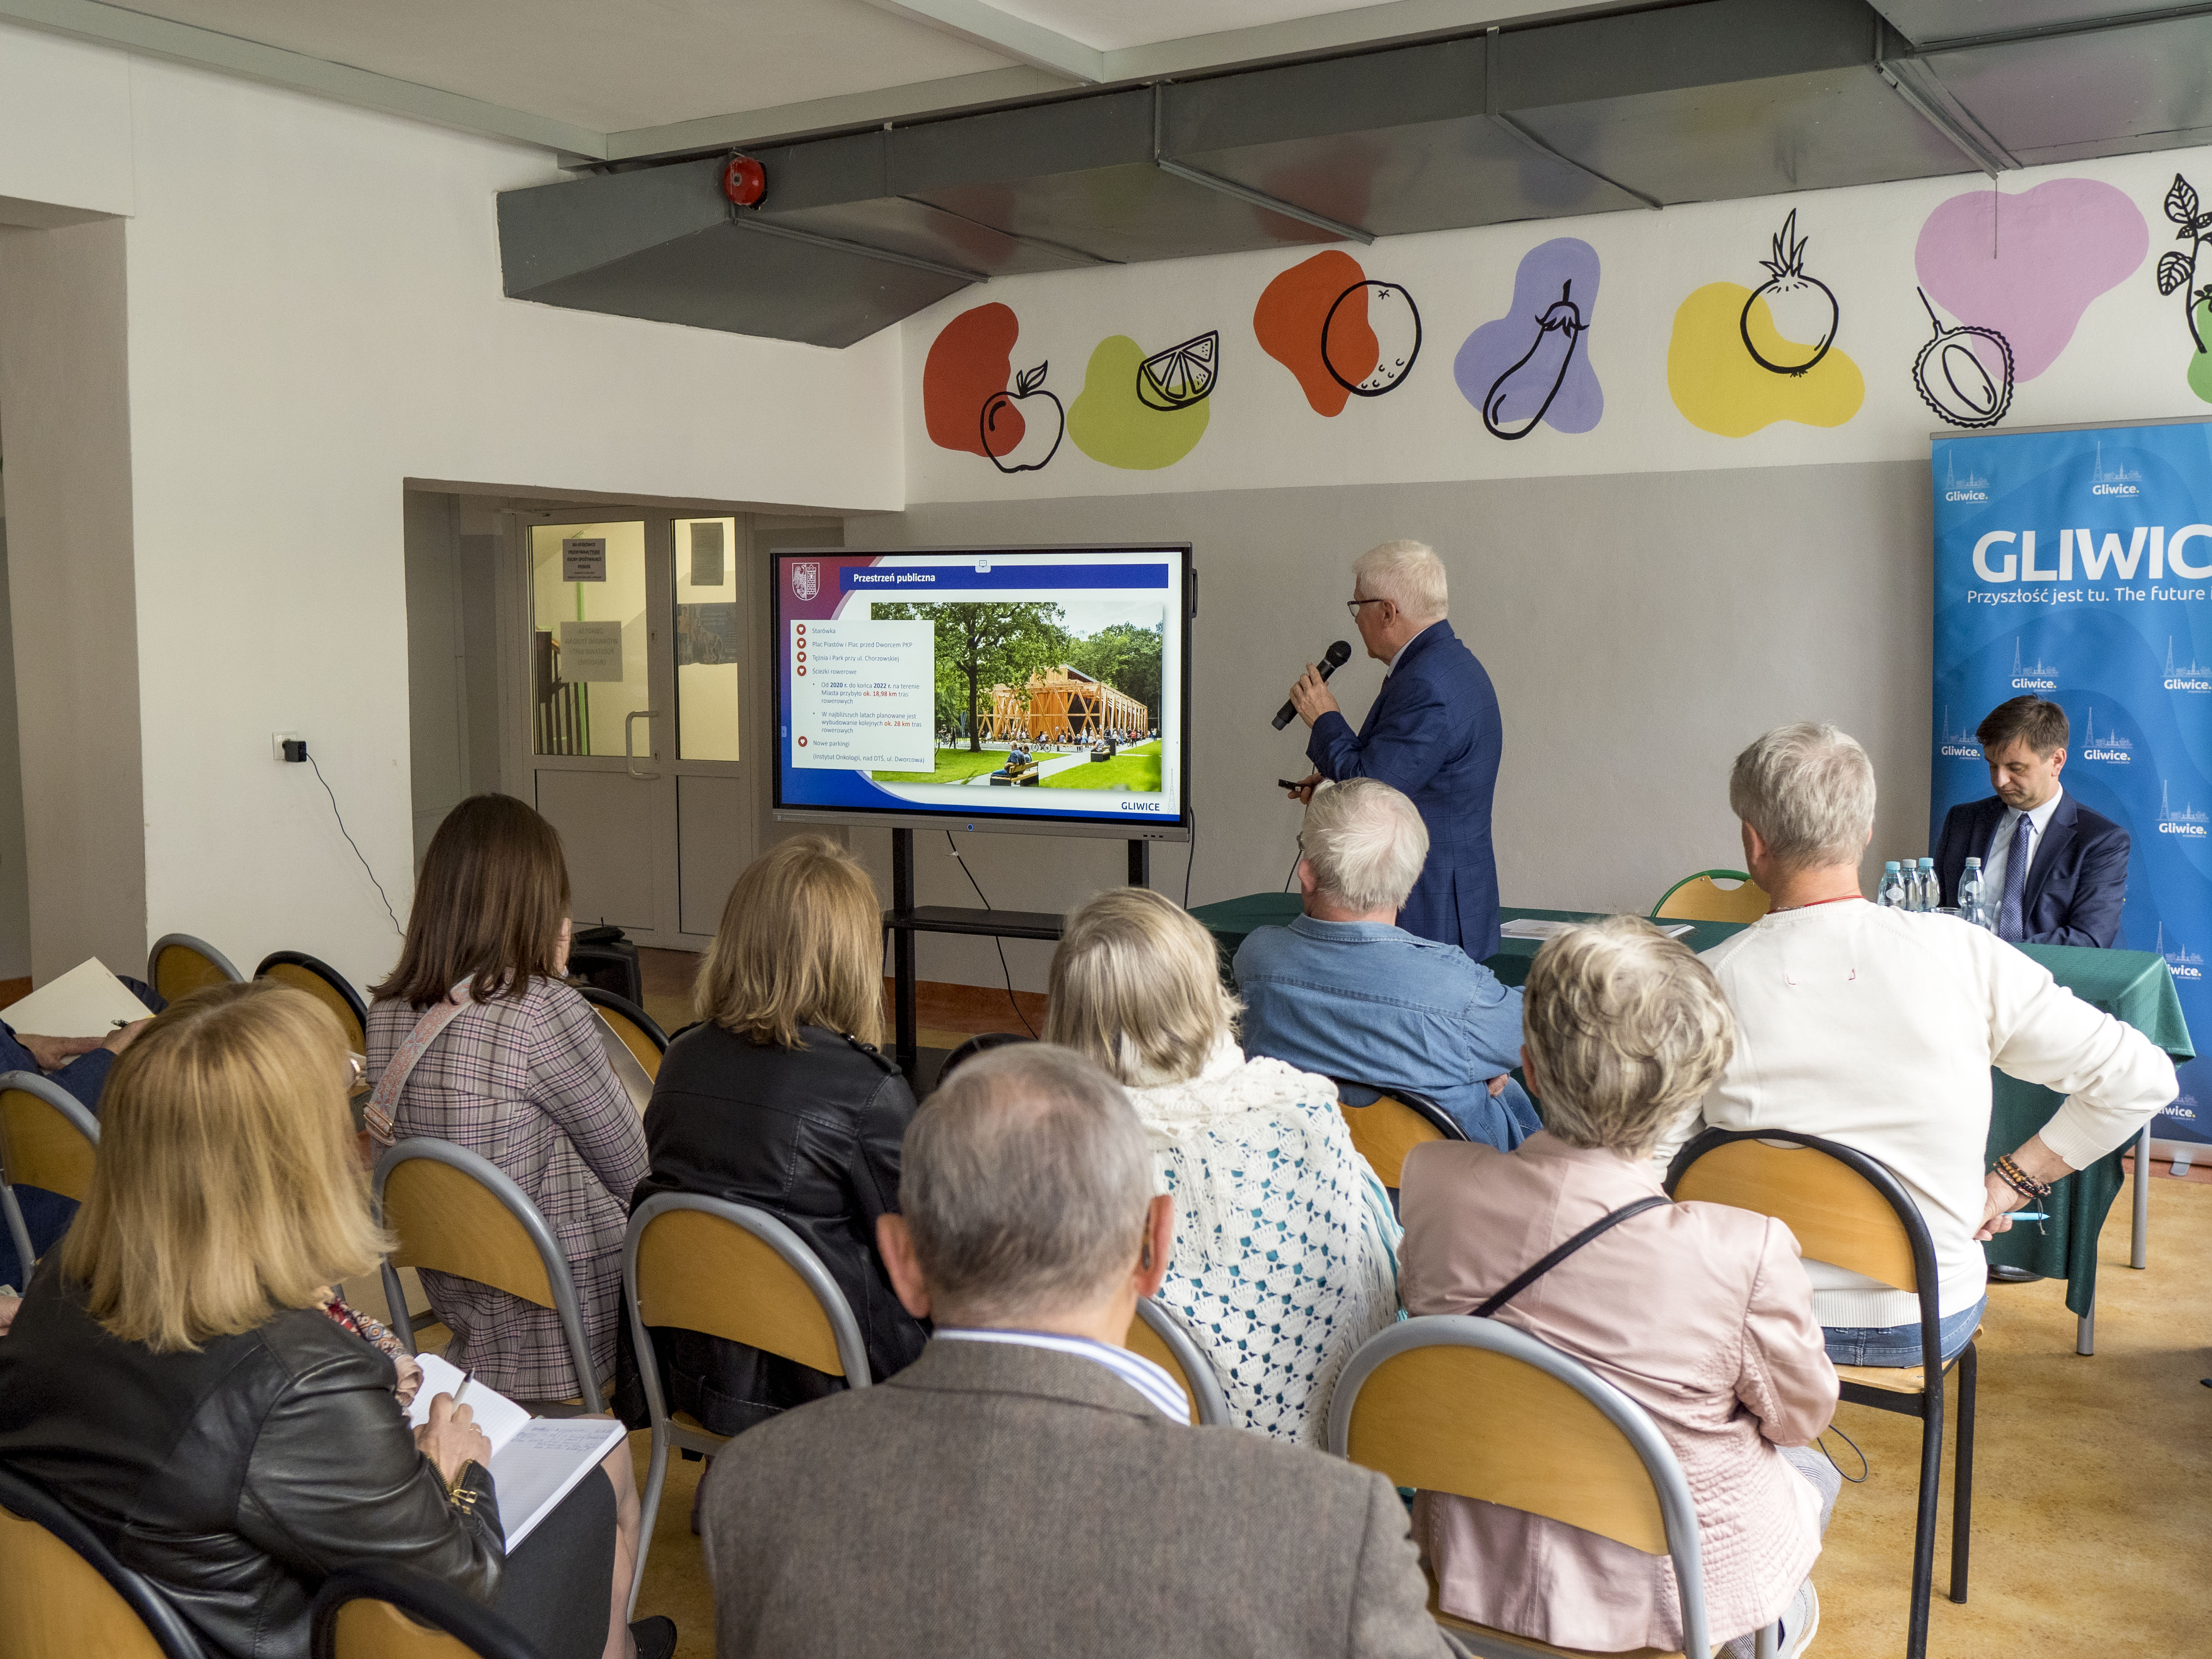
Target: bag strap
1529	1275
377	1115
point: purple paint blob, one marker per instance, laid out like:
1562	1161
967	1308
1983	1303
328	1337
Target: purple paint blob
2057	247
1564	264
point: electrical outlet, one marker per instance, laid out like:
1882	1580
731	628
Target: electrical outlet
276	742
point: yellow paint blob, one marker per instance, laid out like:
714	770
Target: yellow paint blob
1719	387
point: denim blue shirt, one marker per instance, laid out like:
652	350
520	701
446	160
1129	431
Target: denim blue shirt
1367	1002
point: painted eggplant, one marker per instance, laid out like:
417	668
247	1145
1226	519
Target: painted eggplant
1544	364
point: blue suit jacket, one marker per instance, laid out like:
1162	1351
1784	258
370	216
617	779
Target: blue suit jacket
2076	883
1434	733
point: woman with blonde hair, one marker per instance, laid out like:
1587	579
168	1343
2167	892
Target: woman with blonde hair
1284	1242
1701	1313
779	1098
178	1375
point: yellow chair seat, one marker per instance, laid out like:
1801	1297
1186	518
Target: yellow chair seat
1892	1379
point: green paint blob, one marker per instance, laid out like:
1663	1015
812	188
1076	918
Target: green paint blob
2200	362
1111	424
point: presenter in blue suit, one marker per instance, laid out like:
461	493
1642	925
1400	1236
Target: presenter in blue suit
1433	733
2054	873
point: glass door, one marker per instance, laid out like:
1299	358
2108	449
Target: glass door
637	641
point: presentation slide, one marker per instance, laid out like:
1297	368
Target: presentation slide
1044	685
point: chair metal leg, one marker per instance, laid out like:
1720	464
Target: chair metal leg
1962	1475
2139	1247
656	1472
1767	1642
2085	1330
1923	1534
18	1234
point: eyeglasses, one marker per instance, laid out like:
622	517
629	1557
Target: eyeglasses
1353	605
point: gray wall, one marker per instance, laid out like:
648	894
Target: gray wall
1640	628
14	885
452	699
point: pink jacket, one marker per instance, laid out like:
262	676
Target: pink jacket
1701	1313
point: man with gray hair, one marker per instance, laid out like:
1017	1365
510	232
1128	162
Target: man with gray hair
1029	1485
1878	1027
1433	731
1347	992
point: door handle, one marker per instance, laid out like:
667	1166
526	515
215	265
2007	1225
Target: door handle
629	749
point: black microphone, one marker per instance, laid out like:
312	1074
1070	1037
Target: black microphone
1331	659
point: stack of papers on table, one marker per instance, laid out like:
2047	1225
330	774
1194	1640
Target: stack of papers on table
88	1001
1538	927
535	1461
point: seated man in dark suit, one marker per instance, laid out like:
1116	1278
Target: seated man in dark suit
2053	872
1029	1485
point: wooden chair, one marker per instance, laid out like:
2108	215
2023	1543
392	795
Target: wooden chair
64	1595
1701	898
1392	1125
326	984
387	1611
703	1264
179	965
47	1141
640	1032
1160	1334
455	1213
1481	1409
1848	1210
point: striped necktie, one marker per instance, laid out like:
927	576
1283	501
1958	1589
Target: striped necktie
2010	924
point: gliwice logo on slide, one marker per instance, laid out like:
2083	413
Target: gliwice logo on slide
2187	822
806	581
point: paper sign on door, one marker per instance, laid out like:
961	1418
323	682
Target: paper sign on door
591	651
584	559
707	556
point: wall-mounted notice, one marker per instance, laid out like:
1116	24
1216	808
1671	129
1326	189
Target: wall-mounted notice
863	694
707	567
584	559
591	650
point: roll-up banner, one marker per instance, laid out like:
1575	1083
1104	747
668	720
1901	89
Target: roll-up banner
2077	565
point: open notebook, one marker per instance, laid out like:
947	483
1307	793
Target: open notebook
535	1461
88	1001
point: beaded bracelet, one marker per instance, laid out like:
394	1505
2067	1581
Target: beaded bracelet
2019	1179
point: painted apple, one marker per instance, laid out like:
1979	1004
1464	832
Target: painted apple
1021	429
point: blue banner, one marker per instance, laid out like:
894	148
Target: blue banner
984	576
2077	566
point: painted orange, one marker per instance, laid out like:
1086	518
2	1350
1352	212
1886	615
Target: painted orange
1289	318
971	360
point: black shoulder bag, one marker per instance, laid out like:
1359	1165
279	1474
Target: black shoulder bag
1528	1276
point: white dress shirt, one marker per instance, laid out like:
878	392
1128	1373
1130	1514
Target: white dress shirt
1993	866
1162	1392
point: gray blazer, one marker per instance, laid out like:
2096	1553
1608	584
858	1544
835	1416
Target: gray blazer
994	1500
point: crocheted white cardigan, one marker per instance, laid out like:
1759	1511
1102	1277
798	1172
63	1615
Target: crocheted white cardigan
1286	1249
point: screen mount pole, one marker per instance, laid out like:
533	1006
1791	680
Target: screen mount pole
1140	864
906	1044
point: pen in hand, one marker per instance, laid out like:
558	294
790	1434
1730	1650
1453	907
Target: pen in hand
467	1378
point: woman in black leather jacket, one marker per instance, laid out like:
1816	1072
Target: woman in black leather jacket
779	1099
173	1375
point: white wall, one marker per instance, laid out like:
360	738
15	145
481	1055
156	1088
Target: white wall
314	316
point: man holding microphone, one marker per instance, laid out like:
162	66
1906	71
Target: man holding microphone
1433	733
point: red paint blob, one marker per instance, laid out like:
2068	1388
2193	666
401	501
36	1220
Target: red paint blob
1289	320
971	360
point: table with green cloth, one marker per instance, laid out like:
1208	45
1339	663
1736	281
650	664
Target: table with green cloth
2134	986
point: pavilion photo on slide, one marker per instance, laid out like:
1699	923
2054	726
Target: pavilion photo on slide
1040	693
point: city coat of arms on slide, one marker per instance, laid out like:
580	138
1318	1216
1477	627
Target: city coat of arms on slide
806	581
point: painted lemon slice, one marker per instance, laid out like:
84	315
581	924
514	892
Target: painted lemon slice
1182	375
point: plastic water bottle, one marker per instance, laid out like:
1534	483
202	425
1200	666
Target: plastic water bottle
1931	891
1970	908
1890	892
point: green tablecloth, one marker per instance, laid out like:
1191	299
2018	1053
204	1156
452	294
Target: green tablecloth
2134	986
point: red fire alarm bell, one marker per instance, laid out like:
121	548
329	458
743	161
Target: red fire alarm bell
744	181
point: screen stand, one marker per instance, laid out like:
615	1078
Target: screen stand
905	919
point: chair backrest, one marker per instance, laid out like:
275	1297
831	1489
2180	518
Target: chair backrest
455	1213
64	1595
1701	898
731	1271
1397	1120
640	1032
982	1043
1481	1409
1160	1334
326	984
387	1611
1845	1207
46	1139
179	965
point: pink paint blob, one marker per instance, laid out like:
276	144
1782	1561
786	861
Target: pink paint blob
2057	247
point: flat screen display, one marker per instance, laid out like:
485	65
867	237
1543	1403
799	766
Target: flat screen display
1011	689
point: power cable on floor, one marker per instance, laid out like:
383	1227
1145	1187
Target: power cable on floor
355	845
1000	944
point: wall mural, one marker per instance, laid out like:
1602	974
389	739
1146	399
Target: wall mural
965	403
1740	359
2177	270
1529	366
2017	272
1340	334
1143	412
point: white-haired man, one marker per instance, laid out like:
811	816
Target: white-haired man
1029	1485
1877	1028
1433	731
1346	992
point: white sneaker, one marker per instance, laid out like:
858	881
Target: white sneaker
1801	1623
